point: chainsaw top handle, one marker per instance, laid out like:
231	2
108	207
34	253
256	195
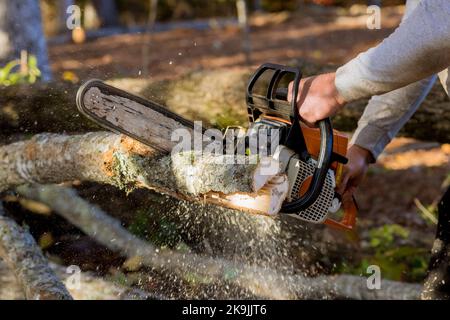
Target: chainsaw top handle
272	101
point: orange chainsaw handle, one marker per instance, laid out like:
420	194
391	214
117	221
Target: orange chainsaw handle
348	221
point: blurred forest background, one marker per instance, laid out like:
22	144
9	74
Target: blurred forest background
195	56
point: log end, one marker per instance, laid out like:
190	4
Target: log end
267	201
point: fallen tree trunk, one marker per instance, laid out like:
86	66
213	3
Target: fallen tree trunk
127	164
262	282
24	257
215	97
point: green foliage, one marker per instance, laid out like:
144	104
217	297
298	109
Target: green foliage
139	226
383	238
396	262
159	230
11	75
228	118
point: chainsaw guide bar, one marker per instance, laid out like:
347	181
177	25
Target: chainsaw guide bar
134	116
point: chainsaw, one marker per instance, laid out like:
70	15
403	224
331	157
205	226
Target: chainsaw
312	158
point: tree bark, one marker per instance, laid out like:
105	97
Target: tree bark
23	256
437	282
127	164
91	287
21	29
107	11
242	13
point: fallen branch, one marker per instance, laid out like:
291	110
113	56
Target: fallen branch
23	256
263	282
91	287
355	287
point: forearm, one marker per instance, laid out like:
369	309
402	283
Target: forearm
419	48
385	115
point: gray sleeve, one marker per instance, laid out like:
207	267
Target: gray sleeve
385	115
417	49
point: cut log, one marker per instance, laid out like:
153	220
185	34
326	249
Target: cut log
268	200
123	162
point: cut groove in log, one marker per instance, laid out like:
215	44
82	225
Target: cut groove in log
268	200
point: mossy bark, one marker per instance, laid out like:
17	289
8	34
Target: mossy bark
120	161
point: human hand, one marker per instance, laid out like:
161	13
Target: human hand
355	170
318	98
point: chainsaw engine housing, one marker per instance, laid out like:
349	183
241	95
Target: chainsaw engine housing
311	157
299	173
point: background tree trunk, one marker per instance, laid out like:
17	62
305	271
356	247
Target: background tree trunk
107	12
242	13
21	29
63	15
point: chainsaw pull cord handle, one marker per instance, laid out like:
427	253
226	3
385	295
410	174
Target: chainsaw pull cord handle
295	139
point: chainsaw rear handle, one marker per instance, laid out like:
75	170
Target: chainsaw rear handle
271	105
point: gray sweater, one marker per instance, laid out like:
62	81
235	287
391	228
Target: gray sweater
407	61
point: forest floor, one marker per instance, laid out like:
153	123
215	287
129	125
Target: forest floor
396	200
325	36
